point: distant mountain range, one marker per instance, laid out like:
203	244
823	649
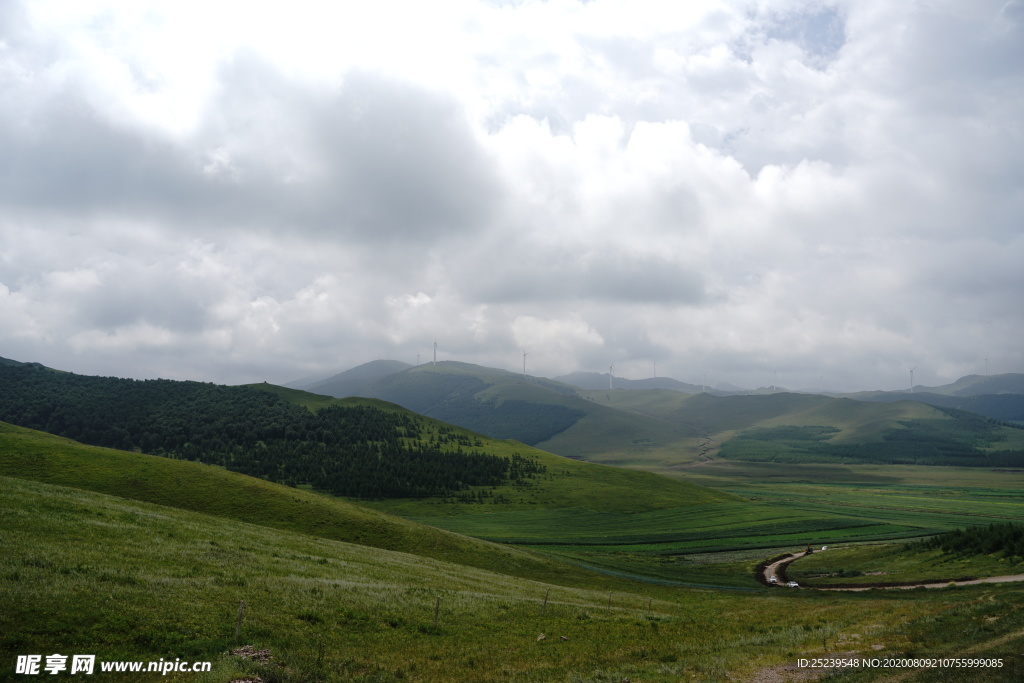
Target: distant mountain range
662	419
658	428
499	403
999	397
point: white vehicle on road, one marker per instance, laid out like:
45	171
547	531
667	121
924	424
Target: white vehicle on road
793	584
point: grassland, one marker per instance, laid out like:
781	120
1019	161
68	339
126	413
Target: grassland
90	573
340	591
777	508
41	457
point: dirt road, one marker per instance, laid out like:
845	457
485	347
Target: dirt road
777	569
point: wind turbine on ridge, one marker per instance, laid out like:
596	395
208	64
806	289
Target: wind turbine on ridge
912	378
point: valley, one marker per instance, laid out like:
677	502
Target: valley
635	557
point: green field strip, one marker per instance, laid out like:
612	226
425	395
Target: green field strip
945	519
869	533
610	569
566	523
818	527
939	502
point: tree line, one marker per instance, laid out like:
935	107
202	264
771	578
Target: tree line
1006	538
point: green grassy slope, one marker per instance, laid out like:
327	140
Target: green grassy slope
27	454
611	517
125	580
613	511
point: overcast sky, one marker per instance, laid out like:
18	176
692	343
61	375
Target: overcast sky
239	191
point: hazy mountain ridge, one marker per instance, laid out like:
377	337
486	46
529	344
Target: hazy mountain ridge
597	381
505	404
1000	397
631	424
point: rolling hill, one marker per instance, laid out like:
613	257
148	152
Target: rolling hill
1000	397
136	555
356	447
37	456
977	385
791	428
670	426
126	580
533	410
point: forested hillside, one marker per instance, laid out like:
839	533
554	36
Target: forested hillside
1006	539
358	451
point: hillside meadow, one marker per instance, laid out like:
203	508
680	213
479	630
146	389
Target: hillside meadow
627	574
92	573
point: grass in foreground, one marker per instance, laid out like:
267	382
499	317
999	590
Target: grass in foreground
89	573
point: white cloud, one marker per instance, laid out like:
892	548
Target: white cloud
232	191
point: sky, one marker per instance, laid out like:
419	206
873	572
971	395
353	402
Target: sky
813	194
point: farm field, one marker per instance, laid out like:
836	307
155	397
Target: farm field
900	502
697	545
935	506
660	544
729	474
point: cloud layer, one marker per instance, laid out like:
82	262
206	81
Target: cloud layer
826	190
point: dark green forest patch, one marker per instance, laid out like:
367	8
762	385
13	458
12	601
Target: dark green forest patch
1005	540
356	451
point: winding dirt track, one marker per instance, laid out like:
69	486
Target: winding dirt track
778	570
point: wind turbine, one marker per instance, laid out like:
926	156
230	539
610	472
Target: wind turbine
986	366
435	351
524	362
912	378
610	368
